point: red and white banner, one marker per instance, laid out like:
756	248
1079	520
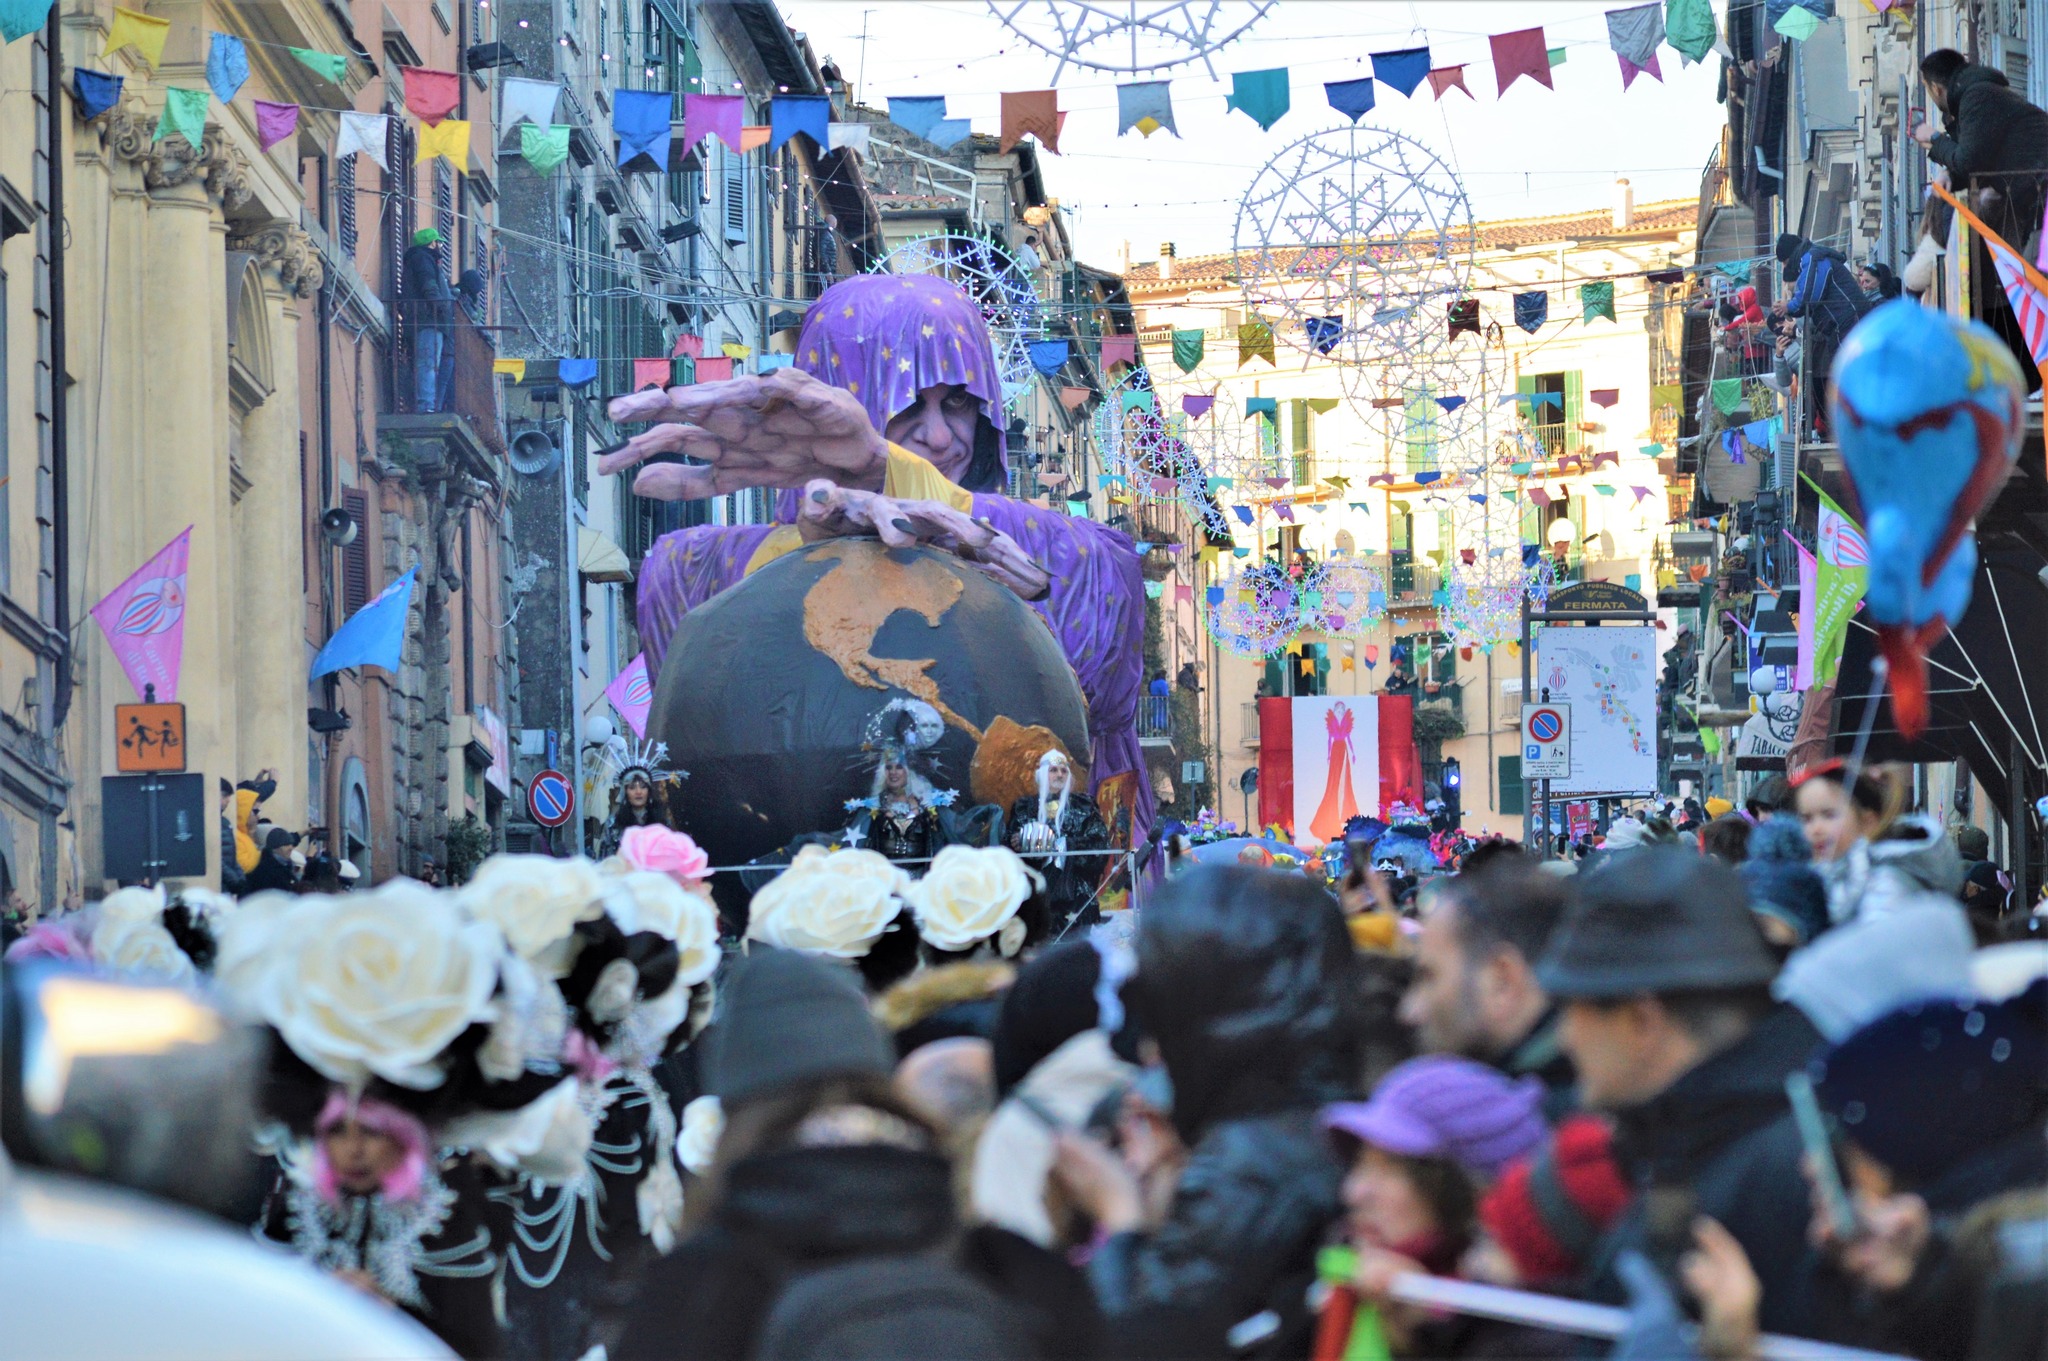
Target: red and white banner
1325	759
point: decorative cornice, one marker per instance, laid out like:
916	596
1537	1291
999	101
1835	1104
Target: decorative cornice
131	136
290	251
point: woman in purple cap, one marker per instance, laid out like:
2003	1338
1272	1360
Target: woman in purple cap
890	424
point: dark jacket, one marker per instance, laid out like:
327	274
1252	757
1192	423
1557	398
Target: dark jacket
270	874
1539	1055
428	299
1991	129
788	1212
1245	982
1824	289
1720	1141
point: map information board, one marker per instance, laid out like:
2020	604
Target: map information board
1609	678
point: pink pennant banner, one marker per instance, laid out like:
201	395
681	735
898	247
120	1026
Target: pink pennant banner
1609	459
1119	350
649	373
1640	492
1809	595
1521	53
1184	593
275	122
632	694
714	370
1604	396
144	620
687	344
719	116
1444	79
1630	70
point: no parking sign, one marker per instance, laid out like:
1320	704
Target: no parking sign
1546	741
550	799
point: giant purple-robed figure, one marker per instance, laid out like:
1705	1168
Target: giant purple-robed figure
886	338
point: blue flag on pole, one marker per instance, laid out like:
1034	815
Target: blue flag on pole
374	635
641	120
788	115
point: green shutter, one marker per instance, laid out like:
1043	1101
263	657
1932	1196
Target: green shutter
1276	676
1574	408
1298	442
1510	785
1419	420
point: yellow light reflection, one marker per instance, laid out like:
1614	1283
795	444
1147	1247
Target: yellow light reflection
90	1018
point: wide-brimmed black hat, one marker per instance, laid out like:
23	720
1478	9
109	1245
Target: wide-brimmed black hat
1657	920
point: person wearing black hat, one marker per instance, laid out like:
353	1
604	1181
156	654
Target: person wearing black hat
826	1222
274	870
1664	979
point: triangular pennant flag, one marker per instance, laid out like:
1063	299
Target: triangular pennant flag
1262	95
1596	300
1322	405
1532	310
1049	356
720	116
1255	341
576	373
915	114
687	345
144	620
640	120
544	147
1519	54
374	635
1352	98
1139	399
1187	349
364	132
1604	396
1119	350
1445	78
19	18
847	136
227	66
1630	70
96	90
1689	27
1450	404
1402	70
1032	113
1146	105
732	349
527	101
1269	407
1073	398
145	32
185	114
430	96
515	369
1797	23
1197	406
789	115
448	139
275	122
655	373
1462	317
331	66
949	131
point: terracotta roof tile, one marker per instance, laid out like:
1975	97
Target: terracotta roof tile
1514	233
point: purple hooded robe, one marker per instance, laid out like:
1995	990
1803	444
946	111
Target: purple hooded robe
885	338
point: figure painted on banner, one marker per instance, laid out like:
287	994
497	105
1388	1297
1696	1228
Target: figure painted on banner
1340	803
903	816
1048	831
429	308
890	424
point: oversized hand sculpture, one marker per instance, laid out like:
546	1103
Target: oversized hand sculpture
790	430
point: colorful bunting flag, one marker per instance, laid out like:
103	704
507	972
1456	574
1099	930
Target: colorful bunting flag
847	136
1260	95
19	18
185	114
1139	399
431	96
448	139
717	370
640	119
576	373
1119	350
753	138
96	91
527	101
1187	348
1352	98
915	114
719	116
1462	317
2025	288
144	620
1402	70
227	66
1269	407
687	346
1255	341
1049	356
1073	398
1323	333
275	122
1450	404
1146	105
1519	54
368	133
655	373
329	66
1604	396
144	32
1197	406
1689	27
544	147
789	115
1323	405
1727	394
1797	23
1033	113
1532	310
1446	78
1596	300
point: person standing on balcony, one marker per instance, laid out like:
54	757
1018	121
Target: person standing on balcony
1994	143
429	306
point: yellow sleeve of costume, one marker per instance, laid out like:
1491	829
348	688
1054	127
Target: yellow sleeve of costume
907	478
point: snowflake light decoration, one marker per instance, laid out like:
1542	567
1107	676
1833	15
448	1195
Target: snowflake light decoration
1148	448
1260	610
1352	243
1004	293
1492	573
1354	597
1128	37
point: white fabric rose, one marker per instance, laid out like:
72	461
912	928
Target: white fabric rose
643	900
611	996
547	1139
531	1022
703	1126
970	894
367	984
536	900
248	940
660	1202
142	948
836	904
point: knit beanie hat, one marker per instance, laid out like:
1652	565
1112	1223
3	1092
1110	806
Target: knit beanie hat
1547	1213
786	1019
1052	1001
1450	1108
1782	883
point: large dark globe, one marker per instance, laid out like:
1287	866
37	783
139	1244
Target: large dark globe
768	688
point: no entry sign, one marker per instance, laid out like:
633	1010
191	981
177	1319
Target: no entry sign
550	798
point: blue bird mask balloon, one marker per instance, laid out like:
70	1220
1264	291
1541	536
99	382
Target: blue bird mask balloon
1928	411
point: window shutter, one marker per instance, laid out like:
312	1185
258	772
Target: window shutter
1418	418
1574	409
1299	443
345	203
444	212
735	199
1510	784
355	558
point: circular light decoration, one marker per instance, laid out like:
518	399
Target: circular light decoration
1128	37
1260	610
1491	574
1354	597
1352	243
1148	447
999	286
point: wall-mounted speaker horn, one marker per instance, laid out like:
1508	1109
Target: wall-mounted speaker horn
534	454
339	528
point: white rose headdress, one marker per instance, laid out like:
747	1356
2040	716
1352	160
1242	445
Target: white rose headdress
972	894
836	903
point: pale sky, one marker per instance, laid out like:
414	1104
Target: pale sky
1531	152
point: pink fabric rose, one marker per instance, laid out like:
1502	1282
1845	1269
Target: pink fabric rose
664	851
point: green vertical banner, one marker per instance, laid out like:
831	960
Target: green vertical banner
1842	570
